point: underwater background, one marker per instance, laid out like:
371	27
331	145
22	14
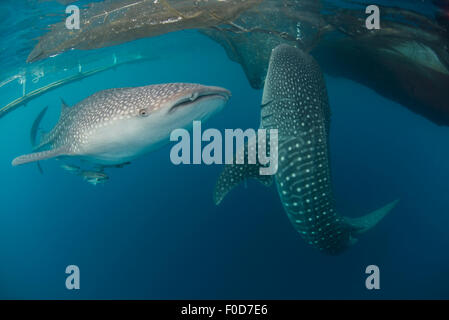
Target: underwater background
153	231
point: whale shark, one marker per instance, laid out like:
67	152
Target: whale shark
114	126
295	102
112	22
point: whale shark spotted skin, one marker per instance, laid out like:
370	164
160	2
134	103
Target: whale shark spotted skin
115	126
295	102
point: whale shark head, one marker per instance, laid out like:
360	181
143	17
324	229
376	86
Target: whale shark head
167	107
144	117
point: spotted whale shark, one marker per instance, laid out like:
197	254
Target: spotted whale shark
295	102
115	126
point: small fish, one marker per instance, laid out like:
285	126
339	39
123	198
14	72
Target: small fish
94	177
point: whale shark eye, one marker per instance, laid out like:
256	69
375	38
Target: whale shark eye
143	112
194	96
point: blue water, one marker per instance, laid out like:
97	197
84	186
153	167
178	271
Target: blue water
153	232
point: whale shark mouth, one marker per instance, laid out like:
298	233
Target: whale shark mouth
197	98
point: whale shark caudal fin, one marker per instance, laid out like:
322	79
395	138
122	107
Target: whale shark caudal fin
234	174
33	157
362	224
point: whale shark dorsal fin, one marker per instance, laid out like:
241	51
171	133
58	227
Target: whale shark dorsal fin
369	221
64	108
234	174
38	156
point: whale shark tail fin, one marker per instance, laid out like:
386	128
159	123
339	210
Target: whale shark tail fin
369	221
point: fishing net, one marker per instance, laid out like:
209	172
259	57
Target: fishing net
113	22
105	24
410	45
251	37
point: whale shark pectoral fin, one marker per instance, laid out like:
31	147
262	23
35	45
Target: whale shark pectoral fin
39	167
234	174
64	108
367	222
44	155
